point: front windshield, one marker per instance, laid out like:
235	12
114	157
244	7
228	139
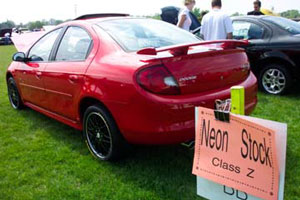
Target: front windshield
287	24
136	34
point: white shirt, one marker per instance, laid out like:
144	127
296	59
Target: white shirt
188	22
216	25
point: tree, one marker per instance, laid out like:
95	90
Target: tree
7	24
197	12
291	14
202	13
155	16
35	25
236	14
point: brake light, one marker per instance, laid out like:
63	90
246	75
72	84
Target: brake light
246	66
158	80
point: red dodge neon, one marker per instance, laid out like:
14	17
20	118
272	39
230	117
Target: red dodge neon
126	80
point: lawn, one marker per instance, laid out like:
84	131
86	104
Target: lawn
41	158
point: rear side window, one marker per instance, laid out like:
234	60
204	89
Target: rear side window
42	49
247	30
74	46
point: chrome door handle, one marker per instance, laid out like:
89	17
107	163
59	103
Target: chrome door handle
73	78
38	75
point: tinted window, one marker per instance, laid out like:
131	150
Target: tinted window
246	30
74	45
135	34
42	49
286	24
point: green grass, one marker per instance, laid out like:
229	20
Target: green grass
44	159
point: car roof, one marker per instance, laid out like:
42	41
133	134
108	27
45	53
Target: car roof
96	20
261	17
99	17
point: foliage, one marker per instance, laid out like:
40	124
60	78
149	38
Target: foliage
7	24
156	16
34	25
202	13
197	12
291	14
236	14
30	25
40	24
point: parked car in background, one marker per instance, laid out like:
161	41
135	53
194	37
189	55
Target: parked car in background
296	19
274	50
22	30
170	14
127	80
5	35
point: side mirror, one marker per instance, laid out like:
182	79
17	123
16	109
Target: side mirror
19	57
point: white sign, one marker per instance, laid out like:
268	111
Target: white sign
211	190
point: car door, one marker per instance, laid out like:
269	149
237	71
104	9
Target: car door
64	76
258	34
31	73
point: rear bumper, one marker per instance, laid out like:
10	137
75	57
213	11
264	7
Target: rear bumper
151	119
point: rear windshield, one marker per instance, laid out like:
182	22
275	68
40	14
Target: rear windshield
286	24
136	34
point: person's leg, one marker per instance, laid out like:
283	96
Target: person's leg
6	40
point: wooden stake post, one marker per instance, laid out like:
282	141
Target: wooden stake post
238	100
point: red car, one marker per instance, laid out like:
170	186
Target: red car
126	80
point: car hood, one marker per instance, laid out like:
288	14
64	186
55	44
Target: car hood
24	41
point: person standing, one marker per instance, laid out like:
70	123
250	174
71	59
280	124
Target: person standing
256	11
184	19
216	25
7	38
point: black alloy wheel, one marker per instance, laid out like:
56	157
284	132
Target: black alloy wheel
101	134
13	94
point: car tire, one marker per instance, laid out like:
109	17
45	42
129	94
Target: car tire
275	79
13	94
102	135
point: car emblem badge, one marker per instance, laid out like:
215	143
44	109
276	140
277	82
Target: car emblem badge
189	78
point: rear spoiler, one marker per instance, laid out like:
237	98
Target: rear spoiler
178	50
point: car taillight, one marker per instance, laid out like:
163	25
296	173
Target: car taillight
158	80
246	66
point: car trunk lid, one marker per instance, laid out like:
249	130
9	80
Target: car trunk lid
200	68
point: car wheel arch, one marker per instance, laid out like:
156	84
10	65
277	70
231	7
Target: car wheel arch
86	102
8	75
275	60
277	56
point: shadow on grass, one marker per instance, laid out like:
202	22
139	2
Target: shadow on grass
165	171
294	91
162	170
